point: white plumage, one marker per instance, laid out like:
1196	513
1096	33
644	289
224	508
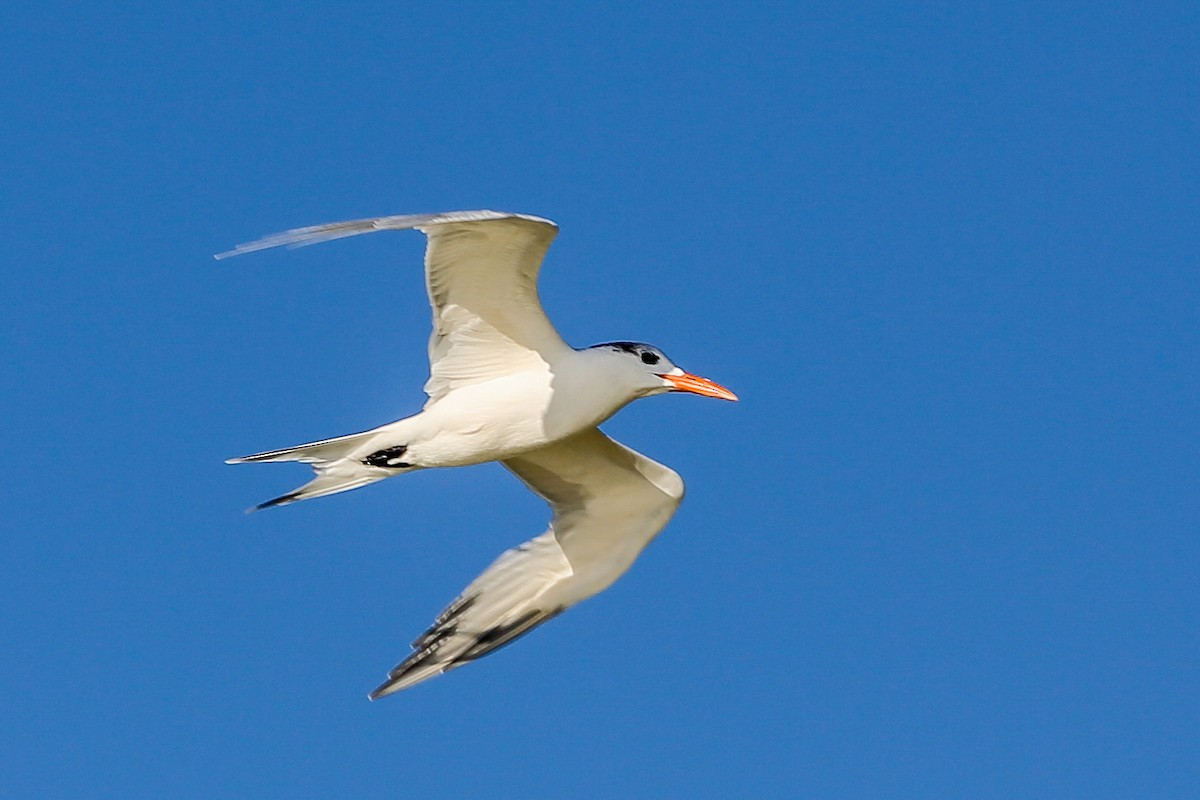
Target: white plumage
503	386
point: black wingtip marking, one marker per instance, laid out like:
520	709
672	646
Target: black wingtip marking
485	642
456	608
494	638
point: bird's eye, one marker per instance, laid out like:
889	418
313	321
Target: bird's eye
649	358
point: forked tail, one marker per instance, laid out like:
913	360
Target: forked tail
336	463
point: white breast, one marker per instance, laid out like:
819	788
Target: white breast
500	418
485	421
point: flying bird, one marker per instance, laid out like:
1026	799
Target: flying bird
503	386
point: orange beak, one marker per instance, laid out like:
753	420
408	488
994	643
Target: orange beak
688	382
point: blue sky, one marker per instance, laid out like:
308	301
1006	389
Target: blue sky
945	546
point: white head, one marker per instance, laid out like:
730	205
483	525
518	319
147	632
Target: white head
652	372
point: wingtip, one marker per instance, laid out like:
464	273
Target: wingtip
248	247
382	690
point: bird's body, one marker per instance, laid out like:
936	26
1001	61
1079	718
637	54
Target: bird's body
527	410
504	387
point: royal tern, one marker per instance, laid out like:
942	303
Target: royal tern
503	386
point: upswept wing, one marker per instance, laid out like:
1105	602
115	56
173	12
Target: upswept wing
608	502
481	272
